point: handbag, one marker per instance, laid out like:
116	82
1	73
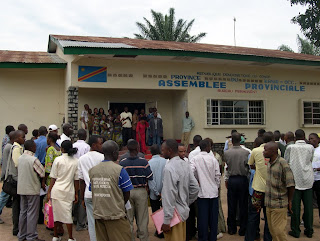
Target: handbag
48	215
9	184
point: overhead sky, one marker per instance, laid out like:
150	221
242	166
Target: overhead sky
26	25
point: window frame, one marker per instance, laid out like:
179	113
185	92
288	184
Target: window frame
226	126
301	112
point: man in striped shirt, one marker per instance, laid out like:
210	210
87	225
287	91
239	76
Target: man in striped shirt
140	173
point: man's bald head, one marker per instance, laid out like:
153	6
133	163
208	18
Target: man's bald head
24	128
271	150
236	138
67	129
289	136
110	150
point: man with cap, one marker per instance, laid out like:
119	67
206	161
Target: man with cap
53	128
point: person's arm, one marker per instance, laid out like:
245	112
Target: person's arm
226	146
287	154
125	184
126	196
169	195
52	182
76	190
153	187
15	155
82	190
192	123
217	176
290	197
193	168
193	188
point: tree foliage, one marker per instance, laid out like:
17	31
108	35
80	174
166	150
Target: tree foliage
166	28
304	47
310	20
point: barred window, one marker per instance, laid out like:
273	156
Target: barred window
235	112
311	112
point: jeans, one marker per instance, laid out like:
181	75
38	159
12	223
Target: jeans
156	139
254	222
4	197
91	225
208	211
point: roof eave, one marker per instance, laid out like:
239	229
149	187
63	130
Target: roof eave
11	65
164	52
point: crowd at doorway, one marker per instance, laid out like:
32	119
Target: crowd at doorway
147	129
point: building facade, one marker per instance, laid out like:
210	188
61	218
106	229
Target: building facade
222	87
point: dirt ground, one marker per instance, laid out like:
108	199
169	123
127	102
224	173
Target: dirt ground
6	228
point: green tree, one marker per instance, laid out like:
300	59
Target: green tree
284	47
304	47
310	20
166	28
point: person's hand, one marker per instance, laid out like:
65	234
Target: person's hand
83	204
226	183
43	186
290	207
166	228
76	198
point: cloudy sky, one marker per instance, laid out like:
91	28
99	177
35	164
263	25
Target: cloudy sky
26	25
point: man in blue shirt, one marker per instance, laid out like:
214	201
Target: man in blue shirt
41	143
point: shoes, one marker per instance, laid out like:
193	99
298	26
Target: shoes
59	234
1	221
81	228
242	233
231	232
15	233
72	239
219	236
308	234
291	233
56	239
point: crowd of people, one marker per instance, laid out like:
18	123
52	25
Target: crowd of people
147	129
90	185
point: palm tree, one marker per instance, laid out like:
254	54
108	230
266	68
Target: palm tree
167	29
304	47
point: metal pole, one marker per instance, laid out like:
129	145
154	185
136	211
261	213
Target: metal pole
234	31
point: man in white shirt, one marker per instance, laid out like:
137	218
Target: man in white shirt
299	157
126	119
79	212
207	171
314	140
80	144
84	117
67	133
85	163
196	151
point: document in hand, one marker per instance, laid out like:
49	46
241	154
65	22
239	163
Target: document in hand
158	217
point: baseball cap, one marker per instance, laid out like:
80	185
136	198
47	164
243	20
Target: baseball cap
53	128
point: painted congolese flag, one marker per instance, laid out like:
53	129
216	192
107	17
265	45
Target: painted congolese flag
92	74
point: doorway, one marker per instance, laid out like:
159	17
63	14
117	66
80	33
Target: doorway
131	107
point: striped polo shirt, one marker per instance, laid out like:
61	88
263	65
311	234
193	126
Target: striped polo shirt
138	169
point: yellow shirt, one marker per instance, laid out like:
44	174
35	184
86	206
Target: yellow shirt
260	176
16	153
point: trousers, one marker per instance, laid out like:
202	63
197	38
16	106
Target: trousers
29	214
139	212
91	226
15	214
306	197
112	230
238	191
4	197
185	139
177	233
277	219
126	135
208	211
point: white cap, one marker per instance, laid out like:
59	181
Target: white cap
53	128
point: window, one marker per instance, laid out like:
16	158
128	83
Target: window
311	112
235	112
